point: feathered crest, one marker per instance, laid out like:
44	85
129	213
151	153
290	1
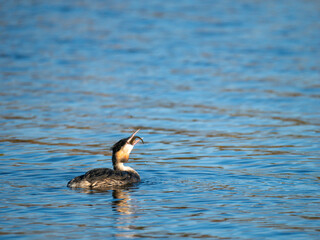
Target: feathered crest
118	145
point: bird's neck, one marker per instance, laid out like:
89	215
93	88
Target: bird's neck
121	167
118	166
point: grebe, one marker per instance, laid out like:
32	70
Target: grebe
103	178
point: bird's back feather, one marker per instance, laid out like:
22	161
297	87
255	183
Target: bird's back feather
99	178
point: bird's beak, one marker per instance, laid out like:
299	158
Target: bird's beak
133	140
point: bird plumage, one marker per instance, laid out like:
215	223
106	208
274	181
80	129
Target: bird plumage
104	178
120	175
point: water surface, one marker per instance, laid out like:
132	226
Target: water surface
226	95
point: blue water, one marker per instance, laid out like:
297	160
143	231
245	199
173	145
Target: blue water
226	94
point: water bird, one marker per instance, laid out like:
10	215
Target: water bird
120	175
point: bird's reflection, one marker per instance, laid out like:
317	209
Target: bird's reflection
121	198
121	201
125	216
125	221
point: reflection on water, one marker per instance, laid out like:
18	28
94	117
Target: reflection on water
120	202
226	95
125	220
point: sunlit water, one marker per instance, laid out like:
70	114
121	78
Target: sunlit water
226	94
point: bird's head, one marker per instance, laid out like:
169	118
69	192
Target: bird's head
122	149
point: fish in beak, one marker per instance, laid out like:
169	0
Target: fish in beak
133	140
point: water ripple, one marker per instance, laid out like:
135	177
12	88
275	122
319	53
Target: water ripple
226	97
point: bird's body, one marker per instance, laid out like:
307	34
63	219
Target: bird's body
104	178
100	178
